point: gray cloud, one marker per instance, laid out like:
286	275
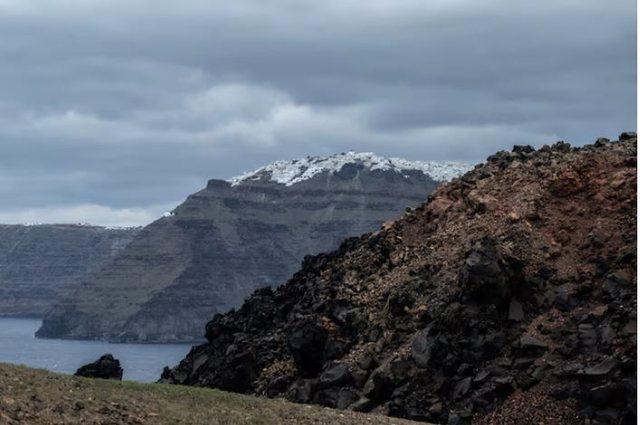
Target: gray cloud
110	111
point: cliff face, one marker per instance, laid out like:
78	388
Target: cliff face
508	297
229	239
41	264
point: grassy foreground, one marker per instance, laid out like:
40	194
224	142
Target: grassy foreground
38	397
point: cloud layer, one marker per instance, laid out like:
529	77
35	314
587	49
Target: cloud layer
126	105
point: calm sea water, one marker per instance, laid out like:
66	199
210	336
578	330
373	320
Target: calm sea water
141	362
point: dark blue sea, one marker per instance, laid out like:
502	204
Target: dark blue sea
141	362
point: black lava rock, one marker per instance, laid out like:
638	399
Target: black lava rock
487	277
306	343
106	367
627	135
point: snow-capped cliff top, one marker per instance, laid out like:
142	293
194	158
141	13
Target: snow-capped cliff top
297	170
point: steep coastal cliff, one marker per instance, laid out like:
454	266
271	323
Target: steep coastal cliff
41	264
235	236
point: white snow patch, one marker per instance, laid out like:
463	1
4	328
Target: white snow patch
298	170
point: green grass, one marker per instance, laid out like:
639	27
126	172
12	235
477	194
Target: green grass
37	397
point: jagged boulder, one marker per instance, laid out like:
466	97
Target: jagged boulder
488	277
106	367
306	342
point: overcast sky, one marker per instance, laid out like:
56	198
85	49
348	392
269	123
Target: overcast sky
113	111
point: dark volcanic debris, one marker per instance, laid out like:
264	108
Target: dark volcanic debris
509	297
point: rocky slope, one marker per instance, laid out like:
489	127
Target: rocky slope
41	264
509	297
233	237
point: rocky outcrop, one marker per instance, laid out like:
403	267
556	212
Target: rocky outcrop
106	367
41	264
508	297
233	237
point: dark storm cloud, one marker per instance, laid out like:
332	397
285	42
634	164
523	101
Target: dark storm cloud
113	111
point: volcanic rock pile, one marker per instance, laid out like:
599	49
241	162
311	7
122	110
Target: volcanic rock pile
509	297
